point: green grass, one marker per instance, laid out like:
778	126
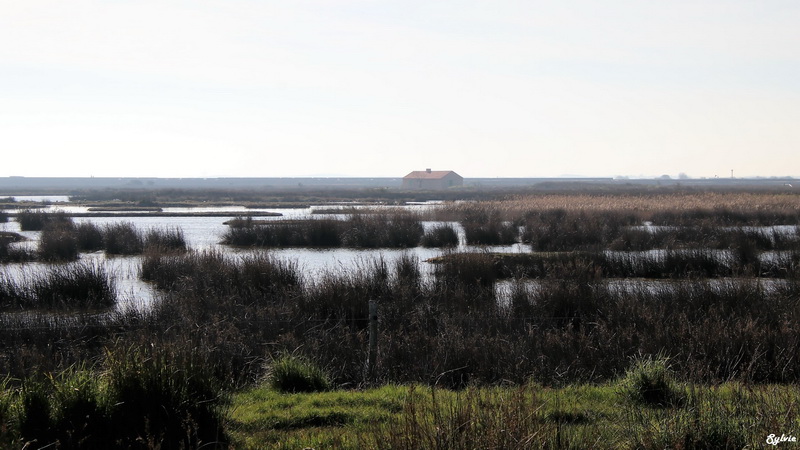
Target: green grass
265	418
602	416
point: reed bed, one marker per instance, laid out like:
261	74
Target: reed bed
358	231
767	205
561	230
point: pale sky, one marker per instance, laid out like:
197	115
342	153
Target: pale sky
246	88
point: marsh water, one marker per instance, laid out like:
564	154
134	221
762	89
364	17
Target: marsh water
204	233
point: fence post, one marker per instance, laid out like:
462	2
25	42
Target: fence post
373	337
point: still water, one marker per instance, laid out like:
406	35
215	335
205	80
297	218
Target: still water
205	233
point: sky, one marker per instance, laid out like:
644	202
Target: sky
378	88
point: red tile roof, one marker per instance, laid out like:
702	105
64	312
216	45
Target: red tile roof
426	175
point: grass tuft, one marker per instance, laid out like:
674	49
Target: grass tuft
290	373
440	236
650	382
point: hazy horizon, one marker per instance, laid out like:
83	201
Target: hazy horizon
359	88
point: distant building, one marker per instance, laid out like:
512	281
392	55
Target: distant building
432	179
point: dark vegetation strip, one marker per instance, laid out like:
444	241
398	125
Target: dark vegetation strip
662	264
63	240
561	230
276	196
359	231
35	220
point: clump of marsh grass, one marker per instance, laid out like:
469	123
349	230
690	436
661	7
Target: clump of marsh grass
89	237
310	233
122	239
443	235
81	285
63	410
488	227
407	273
650	382
211	271
466	269
725	417
292	373
172	400
167	239
74	285
58	242
33	220
142	399
470	419
261	273
10	253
